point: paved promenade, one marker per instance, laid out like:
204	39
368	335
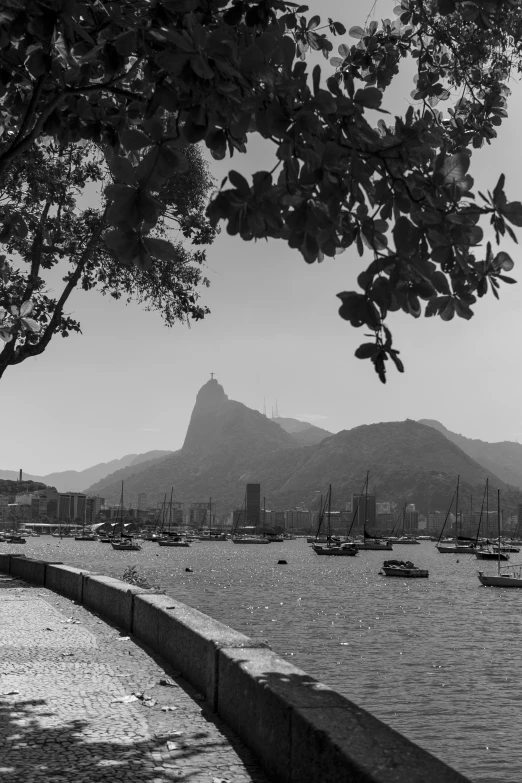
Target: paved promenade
81	702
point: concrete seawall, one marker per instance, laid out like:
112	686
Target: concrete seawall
300	730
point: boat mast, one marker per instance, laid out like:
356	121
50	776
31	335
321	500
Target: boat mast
480	517
487	509
210	513
329	537
446	519
121	511
170	507
366	503
498	525
457	512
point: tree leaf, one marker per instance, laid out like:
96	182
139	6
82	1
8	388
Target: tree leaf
367	350
513	212
123	170
356	32
371	97
134	139
454	168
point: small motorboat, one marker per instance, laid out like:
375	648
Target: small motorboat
488	553
250	540
405	540
375	545
86	537
126	545
336	550
14	540
403	568
173	541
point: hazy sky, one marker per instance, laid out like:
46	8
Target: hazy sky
128	384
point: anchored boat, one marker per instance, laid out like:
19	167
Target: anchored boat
403	568
330	549
125	543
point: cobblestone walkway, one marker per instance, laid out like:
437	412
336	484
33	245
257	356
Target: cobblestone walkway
81	703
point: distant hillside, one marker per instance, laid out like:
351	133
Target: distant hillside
228	445
124	474
303	433
503	458
79	480
407	461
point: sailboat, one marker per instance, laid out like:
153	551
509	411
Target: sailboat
501	579
86	535
403	538
124	543
169	538
370	542
211	535
348	549
486	552
454	547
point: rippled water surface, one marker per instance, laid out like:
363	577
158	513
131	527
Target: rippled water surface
438	659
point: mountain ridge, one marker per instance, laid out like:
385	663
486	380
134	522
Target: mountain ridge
79	480
228	444
504	458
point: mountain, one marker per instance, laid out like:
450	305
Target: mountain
407	461
79	480
123	474
303	433
503	458
228	445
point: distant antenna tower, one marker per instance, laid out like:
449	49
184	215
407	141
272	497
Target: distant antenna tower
272	411
277	410
264	406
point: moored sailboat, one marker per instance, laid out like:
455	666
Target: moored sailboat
124	543
330	549
510	577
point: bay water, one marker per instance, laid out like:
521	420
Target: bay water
438	659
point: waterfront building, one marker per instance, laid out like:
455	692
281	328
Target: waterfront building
93	507
253	504
385	521
142	501
383	508
72	506
197	513
298	519
411	520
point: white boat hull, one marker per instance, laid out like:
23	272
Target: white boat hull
504	580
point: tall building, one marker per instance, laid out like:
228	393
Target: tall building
253	505
142	501
411	521
198	514
93	508
365	512
72	506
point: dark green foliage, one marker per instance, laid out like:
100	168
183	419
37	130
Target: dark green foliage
8	487
44	186
143	81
